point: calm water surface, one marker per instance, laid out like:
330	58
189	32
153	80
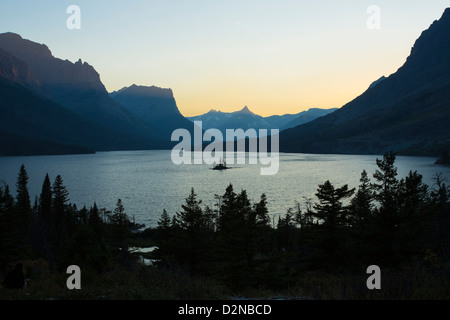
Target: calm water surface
148	181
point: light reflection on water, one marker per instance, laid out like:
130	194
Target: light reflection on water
148	181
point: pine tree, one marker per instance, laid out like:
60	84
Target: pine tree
411	223
23	203
60	196
119	216
10	244
330	209
8	200
413	192
240	231
45	200
194	234
332	217
164	222
387	184
227	210
386	219
229	225
191	218
120	226
263	230
164	237
261	212
60	221
362	203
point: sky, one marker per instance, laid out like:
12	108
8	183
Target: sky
274	56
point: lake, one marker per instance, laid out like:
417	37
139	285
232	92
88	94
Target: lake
148	181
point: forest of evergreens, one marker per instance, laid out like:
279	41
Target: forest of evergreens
320	248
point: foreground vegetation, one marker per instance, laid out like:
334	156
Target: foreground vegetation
320	249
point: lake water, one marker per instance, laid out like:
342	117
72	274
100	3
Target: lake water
148	181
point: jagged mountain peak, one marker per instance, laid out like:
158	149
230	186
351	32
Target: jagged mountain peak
435	37
145	91
77	87
154	105
246	110
51	70
406	112
17	44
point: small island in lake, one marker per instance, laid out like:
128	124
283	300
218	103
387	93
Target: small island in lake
221	166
